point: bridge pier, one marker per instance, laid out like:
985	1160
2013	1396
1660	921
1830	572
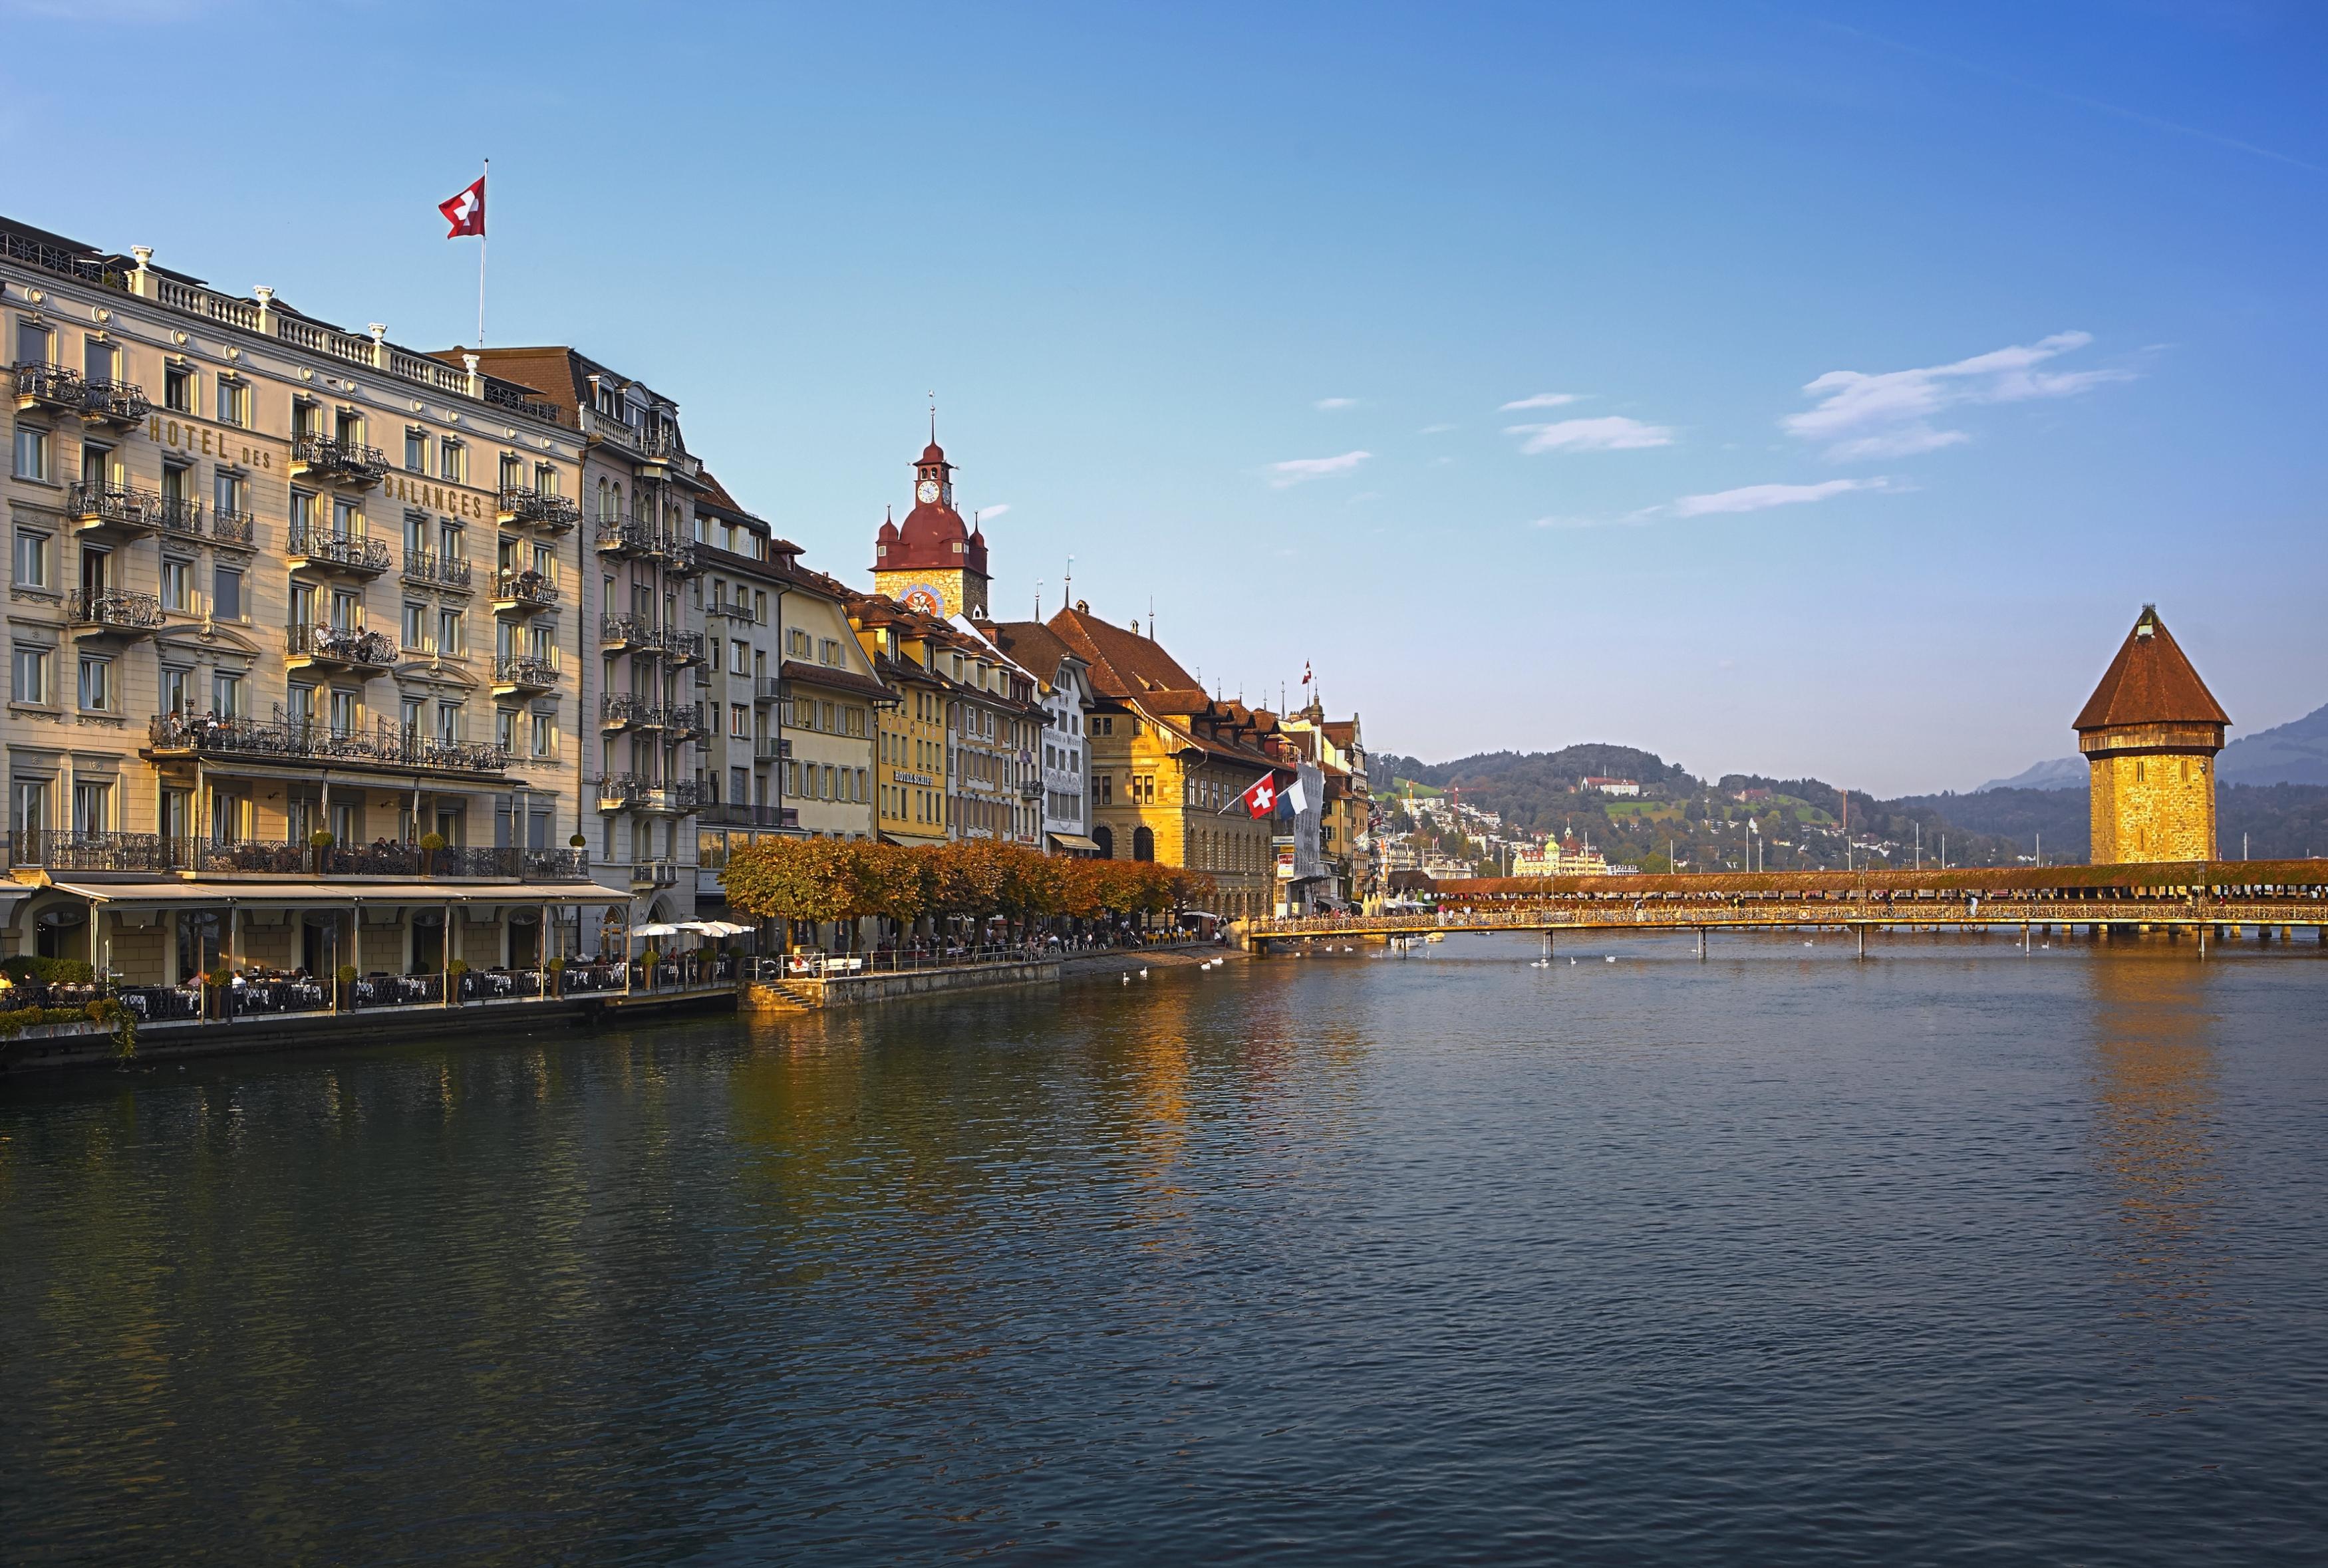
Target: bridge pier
1700	942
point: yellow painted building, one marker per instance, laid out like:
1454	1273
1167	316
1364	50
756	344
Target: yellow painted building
2150	732
911	745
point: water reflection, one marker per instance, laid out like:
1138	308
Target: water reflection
2156	1129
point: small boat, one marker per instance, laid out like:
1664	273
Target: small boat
1434	936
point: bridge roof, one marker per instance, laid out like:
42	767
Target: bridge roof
2151	682
2312	873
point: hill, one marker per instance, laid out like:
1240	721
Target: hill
2293	753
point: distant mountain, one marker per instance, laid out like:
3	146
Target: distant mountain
2292	753
2066	773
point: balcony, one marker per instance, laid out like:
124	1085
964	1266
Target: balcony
630	792
542	510
681	647
317	548
58	850
626	536
735	814
113	506
328	461
120	404
769	748
678	557
523	675
627	711
113	612
523	593
730	609
285	741
231	529
182	517
422	566
626	634
340	649
767	689
686	721
40	385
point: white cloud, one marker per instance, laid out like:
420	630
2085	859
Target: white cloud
1763	497
1435	429
1295	470
1327	405
1888	414
1543	400
1612	433
996	510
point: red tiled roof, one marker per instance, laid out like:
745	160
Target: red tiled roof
2151	682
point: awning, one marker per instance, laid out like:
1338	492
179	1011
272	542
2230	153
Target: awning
1075	841
176	894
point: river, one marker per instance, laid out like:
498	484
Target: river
1953	1255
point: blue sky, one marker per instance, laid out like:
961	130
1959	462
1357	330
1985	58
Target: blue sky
1788	387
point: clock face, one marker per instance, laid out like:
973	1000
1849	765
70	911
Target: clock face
923	601
928	491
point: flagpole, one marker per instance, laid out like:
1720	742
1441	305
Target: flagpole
483	180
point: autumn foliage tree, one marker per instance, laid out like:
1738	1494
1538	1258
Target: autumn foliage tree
846	879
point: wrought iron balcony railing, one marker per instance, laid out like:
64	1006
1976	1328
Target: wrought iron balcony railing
685	720
736	815
767	689
524	672
284	740
113	506
56	850
678	557
523	589
321	547
114	402
114	610
621	632
445	571
681	647
183	516
231	528
521	503
338	462
340	645
625	710
626	535
41	385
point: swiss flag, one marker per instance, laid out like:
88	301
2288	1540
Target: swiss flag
1261	800
466	212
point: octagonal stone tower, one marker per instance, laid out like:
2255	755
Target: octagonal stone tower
2150	732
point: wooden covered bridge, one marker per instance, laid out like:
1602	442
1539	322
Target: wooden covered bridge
2215	899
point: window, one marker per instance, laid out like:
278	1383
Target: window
739	719
226	594
96	684
449	545
505	728
303	604
226	694
416	451
711	648
545	732
31	343
452	461
448	722
545	479
411	717
347	610
344	713
347	521
741	659
31	559
1103	788
31	682
512	472
796	642
32	453
177	584
178	390
759	606
233	403
30	805
92	807
175	688
448	634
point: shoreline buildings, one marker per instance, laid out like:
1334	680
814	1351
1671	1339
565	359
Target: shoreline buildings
324	648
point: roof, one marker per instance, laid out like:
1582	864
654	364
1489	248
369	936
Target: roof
2151	682
1030	645
934	537
836	679
310	891
1130	668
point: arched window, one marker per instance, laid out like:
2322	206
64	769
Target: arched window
605	498
1105	836
1143	844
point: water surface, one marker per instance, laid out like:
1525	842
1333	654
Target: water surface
1951	1257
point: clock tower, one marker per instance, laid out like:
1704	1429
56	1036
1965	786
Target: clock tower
932	564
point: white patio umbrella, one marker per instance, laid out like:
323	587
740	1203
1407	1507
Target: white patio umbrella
718	927
659	928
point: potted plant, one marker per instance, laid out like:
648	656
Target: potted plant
216	985
347	993
319	842
557	968
454	972
429	844
647	962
